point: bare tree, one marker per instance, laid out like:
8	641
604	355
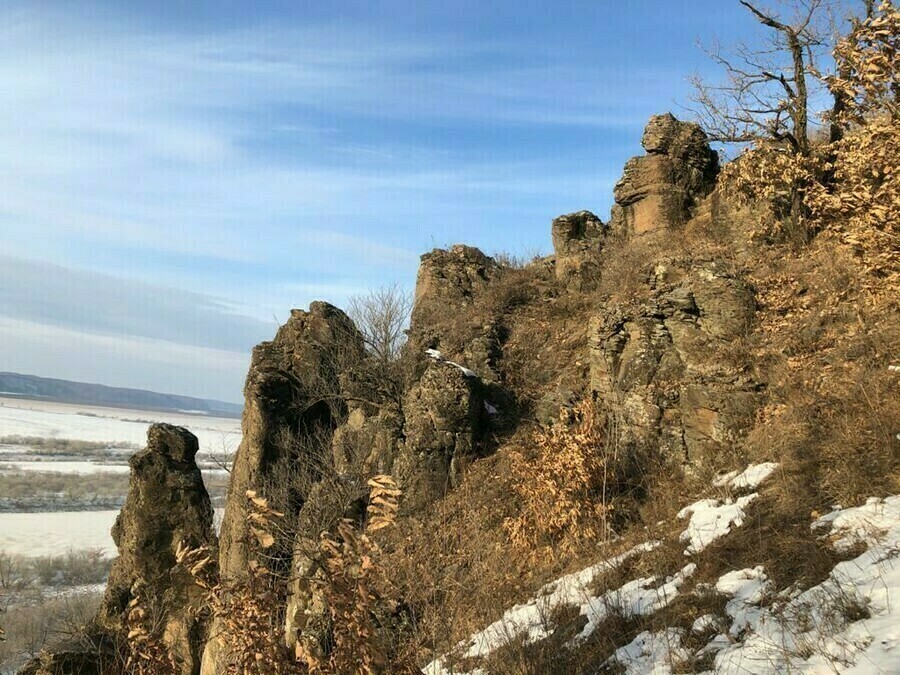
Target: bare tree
766	91
765	96
382	316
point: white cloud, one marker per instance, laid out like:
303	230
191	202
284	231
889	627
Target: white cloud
89	301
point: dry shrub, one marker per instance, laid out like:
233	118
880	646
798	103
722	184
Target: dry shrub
862	210
452	564
251	632
867	75
42	622
772	174
571	487
824	343
352	570
849	188
145	651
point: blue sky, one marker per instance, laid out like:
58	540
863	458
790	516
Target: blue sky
177	176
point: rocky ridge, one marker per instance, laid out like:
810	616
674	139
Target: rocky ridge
318	419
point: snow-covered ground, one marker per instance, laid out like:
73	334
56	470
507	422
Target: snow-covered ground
45	419
849	623
57	466
52	533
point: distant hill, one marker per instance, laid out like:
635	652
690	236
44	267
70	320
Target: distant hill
65	391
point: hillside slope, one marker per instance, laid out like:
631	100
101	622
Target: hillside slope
671	446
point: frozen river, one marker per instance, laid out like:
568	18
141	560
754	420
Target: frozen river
54	533
44	419
39	534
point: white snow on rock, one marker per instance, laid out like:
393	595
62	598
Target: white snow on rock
704	624
711	519
435	355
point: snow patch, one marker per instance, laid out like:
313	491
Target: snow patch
435	355
711	519
848	623
650	653
530	620
748	479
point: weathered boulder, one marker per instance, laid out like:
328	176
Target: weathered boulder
658	190
578	239
167	506
660	369
444	413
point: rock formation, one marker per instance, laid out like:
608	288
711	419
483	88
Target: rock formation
320	416
577	241
443	418
292	405
167	506
446	286
658	190
660	369
292	394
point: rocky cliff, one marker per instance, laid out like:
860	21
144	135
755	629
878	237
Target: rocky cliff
660	319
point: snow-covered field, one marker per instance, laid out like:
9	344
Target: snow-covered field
52	533
39	534
44	534
55	466
44	419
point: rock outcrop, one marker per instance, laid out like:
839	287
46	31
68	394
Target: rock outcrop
321	415
293	403
446	286
660	368
658	190
443	419
578	239
292	393
167	506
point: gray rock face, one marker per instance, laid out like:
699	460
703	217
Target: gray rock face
578	239
659	369
658	190
167	505
443	418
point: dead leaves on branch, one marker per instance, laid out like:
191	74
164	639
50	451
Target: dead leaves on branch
353	569
571	487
